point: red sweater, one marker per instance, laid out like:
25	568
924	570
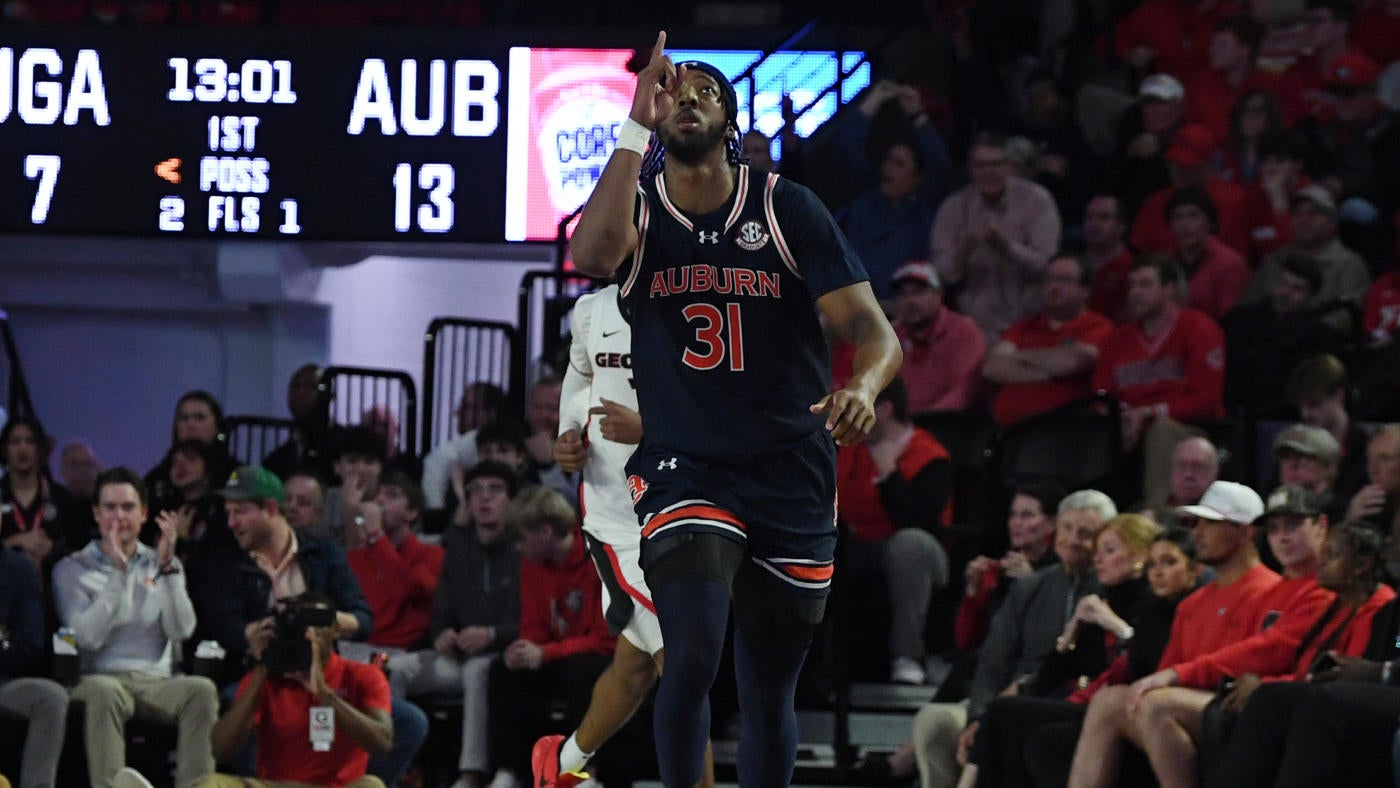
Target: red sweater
1016	401
1179	33
561	606
1295	603
861	508
399	586
1151	233
1383	308
1216	616
1108	296
1218	281
1181	371
1210	99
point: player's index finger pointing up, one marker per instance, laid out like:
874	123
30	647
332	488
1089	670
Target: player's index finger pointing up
660	48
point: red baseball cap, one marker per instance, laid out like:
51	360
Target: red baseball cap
1192	146
1351	69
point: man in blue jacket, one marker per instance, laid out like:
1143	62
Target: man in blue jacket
43	702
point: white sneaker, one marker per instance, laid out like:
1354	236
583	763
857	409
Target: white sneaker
130	778
504	779
907	670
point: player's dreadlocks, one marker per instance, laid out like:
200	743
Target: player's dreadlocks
655	159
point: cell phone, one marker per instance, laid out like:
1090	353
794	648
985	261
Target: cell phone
1324	662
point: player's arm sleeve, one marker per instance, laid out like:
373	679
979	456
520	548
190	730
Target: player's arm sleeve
809	239
578	378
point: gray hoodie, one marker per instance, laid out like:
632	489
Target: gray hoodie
124	621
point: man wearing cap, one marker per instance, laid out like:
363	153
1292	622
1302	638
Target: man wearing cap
1301	89
995	236
1189	160
1264	341
1046	360
1345	276
1307	458
1142	135
128	608
1359	144
1224	612
275	562
943	350
1173	700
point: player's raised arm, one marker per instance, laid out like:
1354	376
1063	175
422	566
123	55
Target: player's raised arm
605	233
856	316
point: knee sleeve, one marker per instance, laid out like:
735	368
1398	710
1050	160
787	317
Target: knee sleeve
767	607
692	556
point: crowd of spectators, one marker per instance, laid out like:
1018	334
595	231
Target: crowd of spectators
1176	215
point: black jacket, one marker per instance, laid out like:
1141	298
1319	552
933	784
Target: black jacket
479	586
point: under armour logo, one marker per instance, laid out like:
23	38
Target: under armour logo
666	465
709	237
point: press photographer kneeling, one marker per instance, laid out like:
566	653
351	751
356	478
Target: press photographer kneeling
318	717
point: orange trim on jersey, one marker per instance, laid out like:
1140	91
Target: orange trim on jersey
658	521
622	580
778	240
643	217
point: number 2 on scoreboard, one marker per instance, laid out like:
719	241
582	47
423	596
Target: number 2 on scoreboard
45	168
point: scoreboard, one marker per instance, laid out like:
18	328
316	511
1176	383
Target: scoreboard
373	135
266	135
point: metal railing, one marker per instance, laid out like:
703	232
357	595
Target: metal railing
251	438
458	352
350	396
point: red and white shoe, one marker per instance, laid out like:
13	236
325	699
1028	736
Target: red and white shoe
544	762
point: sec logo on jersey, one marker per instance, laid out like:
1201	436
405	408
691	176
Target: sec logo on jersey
752	236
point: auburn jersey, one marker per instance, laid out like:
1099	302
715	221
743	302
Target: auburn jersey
727	352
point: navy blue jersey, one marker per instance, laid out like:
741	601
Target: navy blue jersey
727	352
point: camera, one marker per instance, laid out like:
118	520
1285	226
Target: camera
289	651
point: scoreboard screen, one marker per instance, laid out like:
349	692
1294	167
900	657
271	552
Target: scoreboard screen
370	137
375	135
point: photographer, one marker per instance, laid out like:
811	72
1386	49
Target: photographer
315	727
276	563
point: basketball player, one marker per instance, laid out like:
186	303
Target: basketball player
722	272
598	401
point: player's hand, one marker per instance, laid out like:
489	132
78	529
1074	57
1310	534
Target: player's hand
849	415
569	451
657	85
620	424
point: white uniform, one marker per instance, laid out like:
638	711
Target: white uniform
600	367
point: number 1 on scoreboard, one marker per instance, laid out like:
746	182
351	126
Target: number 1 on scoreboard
45	168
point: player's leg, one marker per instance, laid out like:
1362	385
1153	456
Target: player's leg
617	695
690	576
773	627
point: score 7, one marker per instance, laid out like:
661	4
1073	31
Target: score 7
45	168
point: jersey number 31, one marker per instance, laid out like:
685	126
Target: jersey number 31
720	334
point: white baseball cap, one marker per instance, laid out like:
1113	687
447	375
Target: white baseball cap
1226	501
1163	87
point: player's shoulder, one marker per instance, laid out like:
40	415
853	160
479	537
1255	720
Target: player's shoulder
589	301
785	191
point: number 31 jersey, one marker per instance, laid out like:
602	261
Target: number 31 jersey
728	354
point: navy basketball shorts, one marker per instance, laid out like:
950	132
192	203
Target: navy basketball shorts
780	505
